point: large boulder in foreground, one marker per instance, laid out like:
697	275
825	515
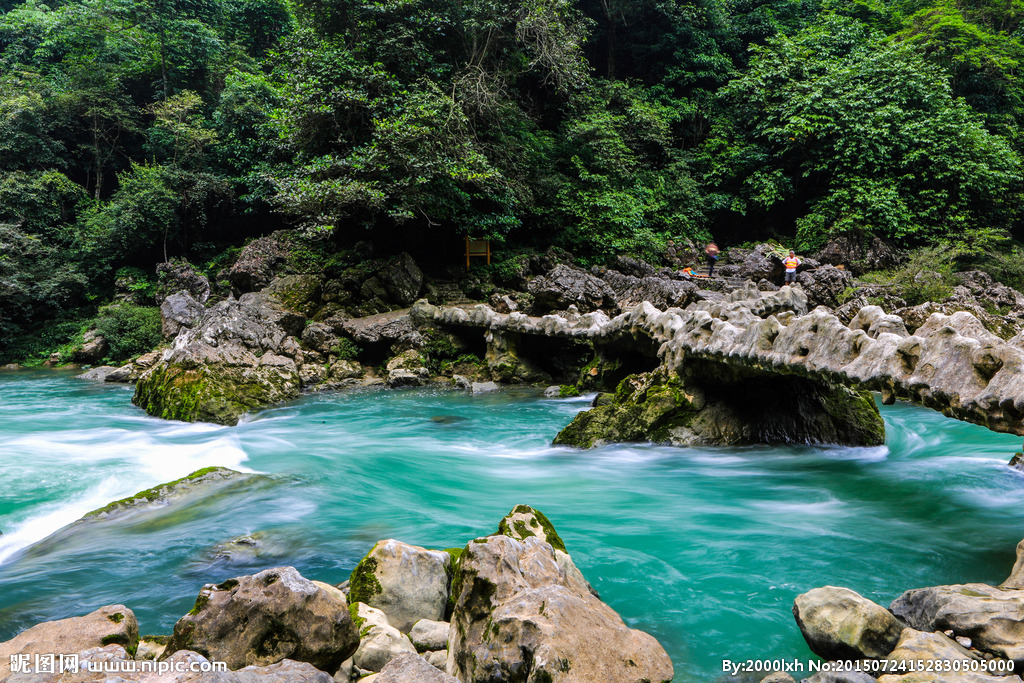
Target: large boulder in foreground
993	618
406	582
110	625
918	646
519	616
838	623
240	357
265	618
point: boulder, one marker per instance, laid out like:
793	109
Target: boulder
840	677
661	292
406	582
320	337
482	387
178	275
824	285
566	286
632	266
260	261
778	677
98	374
268	617
859	253
151	647
516	610
380	328
989	616
411	668
402	279
113	625
437	659
379	641
94	348
918	646
179	311
407	369
933	677
135	368
1016	578
717	404
838	623
427	634
990	293
227	365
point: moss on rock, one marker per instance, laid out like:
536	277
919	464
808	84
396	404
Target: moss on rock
363	583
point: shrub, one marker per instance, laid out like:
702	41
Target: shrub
129	330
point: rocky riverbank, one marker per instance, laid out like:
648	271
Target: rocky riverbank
281	332
963	633
509	606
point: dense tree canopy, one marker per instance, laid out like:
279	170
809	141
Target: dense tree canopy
133	131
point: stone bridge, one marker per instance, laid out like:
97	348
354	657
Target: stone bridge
951	363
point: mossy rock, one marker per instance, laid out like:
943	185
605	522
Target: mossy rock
524	521
163	492
213	393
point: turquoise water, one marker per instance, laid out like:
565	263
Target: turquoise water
704	548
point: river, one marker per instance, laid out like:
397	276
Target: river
705	548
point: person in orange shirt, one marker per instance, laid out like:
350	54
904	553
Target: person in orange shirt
791	262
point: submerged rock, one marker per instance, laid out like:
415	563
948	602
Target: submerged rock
107	626
265	618
838	623
158	496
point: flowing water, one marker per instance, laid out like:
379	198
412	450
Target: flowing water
704	548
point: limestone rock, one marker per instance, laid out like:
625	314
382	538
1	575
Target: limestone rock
516	610
990	617
859	253
379	641
840	677
380	328
482	387
427	634
150	648
661	292
407	369
268	617
205	480
135	368
411	668
437	659
838	623
566	286
406	582
179	311
724	406
778	677
402	279
918	646
225	366
178	275
93	349
98	374
824	285
260	261
1016	578
108	626
930	677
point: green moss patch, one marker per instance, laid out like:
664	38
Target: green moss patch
363	583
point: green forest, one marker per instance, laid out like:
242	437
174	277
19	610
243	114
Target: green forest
137	131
